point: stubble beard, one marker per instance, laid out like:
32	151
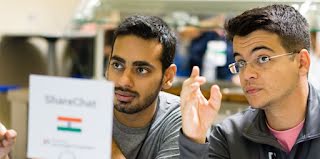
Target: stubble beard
128	108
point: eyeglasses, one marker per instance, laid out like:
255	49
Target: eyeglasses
237	66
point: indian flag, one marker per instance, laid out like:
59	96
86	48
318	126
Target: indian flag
68	124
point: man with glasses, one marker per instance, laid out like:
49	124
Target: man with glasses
271	50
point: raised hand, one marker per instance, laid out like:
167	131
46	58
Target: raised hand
198	113
7	140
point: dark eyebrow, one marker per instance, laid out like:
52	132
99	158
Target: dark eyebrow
261	48
117	58
235	54
143	63
136	63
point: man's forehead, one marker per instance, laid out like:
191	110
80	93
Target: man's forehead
134	56
258	39
137	45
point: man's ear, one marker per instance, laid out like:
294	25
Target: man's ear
304	61
168	77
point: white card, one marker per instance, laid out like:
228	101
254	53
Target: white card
69	118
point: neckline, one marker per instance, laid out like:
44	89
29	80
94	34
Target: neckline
149	128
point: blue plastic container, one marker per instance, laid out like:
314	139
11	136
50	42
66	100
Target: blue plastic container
6	88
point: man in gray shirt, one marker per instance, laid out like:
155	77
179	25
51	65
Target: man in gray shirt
146	120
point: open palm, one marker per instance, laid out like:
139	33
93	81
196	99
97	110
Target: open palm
198	113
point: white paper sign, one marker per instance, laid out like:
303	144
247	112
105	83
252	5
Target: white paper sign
69	118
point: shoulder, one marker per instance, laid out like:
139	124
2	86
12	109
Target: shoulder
237	123
168	101
168	111
314	93
231	129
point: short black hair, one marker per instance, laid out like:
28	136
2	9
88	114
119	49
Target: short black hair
150	27
284	20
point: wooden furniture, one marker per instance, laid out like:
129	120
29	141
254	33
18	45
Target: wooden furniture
19	120
230	92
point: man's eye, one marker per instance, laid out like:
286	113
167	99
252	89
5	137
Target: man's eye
117	65
241	63
263	59
142	70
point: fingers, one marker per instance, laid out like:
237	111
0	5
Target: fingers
190	92
11	134
10	139
7	137
195	72
3	131
195	75
215	97
2	128
193	82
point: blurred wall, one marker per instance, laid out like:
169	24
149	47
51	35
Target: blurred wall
36	16
39	17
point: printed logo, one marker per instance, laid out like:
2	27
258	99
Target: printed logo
69	123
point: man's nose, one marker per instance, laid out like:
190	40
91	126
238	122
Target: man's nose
126	79
249	71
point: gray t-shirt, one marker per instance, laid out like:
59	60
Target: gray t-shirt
162	139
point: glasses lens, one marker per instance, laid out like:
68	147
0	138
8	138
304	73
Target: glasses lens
233	68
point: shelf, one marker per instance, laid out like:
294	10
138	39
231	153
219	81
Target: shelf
191	6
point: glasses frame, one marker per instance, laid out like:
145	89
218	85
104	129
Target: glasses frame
233	69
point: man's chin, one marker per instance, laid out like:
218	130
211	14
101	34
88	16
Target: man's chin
256	105
124	109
